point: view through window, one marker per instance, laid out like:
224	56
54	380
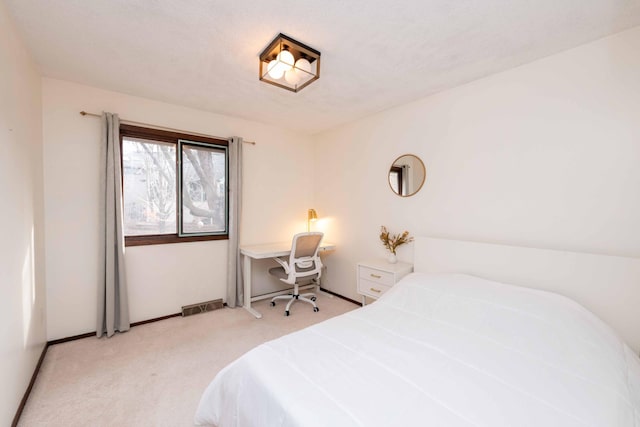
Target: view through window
204	191
149	182
174	186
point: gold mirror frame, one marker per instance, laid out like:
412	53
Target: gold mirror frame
391	170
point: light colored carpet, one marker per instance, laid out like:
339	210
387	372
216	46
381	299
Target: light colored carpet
154	374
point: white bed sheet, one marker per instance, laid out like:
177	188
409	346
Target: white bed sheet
437	350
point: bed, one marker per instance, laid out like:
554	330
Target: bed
443	349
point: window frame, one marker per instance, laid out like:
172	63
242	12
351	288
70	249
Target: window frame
151	134
179	185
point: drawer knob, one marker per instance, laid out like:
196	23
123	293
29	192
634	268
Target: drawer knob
376	290
376	276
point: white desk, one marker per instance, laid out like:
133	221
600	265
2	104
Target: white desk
262	251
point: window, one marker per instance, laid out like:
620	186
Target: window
203	191
174	186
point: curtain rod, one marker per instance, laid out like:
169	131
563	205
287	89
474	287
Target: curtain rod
131	122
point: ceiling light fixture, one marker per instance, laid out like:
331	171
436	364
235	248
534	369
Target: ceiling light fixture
289	64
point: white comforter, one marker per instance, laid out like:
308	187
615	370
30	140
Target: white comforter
437	350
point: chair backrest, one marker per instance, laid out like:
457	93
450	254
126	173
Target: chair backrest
304	260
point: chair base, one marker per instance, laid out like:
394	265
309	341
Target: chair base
309	298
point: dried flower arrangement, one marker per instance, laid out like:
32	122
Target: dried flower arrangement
392	241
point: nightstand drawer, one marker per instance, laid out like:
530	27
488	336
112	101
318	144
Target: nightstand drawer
372	289
377	276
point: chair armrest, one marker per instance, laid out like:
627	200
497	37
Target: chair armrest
284	265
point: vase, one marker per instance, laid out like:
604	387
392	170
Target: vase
392	258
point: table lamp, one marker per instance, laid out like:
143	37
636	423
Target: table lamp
312	216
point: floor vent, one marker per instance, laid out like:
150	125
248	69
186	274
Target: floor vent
188	310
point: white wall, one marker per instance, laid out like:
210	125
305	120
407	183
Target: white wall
22	290
544	155
161	278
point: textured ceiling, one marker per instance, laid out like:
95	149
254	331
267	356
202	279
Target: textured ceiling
376	54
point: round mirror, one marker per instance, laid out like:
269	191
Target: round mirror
407	175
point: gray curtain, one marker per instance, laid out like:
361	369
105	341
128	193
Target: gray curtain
113	305
235	289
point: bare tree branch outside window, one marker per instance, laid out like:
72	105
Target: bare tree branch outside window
151	171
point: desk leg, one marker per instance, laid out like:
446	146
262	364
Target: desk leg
247	287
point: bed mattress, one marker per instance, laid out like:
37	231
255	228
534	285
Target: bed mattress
439	350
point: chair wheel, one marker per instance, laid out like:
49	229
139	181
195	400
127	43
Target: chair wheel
316	309
286	313
313	298
273	303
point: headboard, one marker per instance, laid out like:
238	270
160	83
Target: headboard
608	286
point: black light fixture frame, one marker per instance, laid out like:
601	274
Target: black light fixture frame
298	50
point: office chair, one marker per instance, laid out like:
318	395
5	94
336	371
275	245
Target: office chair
304	264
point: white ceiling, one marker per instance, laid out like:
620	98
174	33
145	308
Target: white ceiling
376	54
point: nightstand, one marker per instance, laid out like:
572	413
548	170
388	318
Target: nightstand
375	277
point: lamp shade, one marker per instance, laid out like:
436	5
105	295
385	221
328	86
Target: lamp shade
274	70
286	59
289	64
303	66
292	77
312	216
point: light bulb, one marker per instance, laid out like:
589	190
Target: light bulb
286	59
292	77
303	67
275	70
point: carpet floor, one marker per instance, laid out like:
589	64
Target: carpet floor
154	374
